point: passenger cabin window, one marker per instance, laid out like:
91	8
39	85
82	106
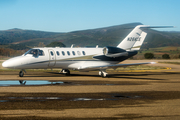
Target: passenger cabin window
52	53
68	52
83	53
63	53
78	53
73	53
35	52
57	52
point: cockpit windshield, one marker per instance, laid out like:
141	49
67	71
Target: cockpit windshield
35	52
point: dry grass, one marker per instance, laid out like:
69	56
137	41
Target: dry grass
176	63
139	67
170	49
1	65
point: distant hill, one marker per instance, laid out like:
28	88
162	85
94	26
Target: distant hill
17	35
107	36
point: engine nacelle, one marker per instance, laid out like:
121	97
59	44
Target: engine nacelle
114	51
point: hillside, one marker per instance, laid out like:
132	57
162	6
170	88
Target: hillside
16	35
110	36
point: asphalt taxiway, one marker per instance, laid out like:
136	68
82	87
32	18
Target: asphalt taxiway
122	95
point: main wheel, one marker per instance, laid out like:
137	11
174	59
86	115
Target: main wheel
67	72
102	74
21	74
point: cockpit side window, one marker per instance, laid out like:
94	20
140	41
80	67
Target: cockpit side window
41	53
35	52
28	52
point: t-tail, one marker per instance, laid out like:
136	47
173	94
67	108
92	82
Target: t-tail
136	37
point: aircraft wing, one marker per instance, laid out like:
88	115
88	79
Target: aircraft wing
114	66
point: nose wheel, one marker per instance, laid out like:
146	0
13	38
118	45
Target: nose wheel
21	73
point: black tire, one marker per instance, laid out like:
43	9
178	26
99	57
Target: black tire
103	75
21	74
67	72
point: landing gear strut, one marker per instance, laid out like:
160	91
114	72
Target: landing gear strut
21	73
103	74
65	71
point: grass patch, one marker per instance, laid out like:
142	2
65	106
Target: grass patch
1	65
139	67
176	63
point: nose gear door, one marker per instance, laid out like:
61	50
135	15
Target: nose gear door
52	58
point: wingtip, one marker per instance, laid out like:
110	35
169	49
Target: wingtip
153	62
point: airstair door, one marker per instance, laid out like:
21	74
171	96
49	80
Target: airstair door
52	58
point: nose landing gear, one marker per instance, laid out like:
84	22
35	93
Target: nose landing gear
21	73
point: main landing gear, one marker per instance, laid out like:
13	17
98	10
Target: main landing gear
65	71
21	73
103	74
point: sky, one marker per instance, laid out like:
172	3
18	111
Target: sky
73	15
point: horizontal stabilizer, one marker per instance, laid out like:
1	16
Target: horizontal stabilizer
148	26
160	27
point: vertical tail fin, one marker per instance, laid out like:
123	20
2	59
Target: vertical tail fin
135	39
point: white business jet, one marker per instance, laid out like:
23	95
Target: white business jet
82	59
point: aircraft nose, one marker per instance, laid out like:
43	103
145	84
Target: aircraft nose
13	63
8	64
5	64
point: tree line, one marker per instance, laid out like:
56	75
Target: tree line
151	56
10	52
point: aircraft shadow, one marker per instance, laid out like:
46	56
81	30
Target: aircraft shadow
119	75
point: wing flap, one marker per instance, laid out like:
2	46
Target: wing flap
112	66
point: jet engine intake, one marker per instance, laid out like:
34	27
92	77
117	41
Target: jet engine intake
114	51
